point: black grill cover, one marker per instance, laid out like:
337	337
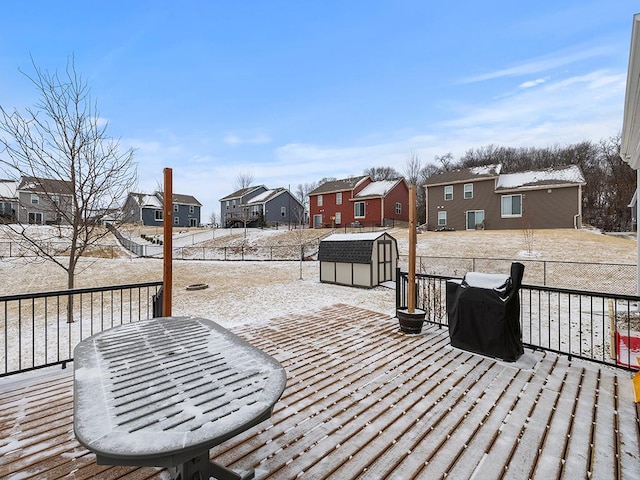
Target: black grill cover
487	320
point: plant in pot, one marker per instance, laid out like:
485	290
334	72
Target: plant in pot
411	318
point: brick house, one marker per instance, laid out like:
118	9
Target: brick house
359	201
484	198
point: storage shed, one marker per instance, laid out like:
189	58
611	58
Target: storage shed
358	259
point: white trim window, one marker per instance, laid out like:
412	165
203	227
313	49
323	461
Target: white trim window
448	192
339	198
319	200
468	191
159	215
338	219
398	208
176	220
358	210
192	209
35	200
442	218
283	211
176	207
511	206
474	219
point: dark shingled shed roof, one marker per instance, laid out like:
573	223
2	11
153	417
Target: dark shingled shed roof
349	248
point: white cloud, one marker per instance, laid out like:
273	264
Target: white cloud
533	83
257	139
541	64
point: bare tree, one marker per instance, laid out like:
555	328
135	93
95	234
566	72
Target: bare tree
382	173
62	141
244	180
412	168
416	174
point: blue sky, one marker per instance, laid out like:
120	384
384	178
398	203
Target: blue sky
293	91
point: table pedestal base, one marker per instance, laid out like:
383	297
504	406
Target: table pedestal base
201	468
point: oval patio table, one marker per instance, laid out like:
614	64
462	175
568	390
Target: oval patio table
162	392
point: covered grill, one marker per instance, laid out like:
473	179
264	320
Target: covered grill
484	313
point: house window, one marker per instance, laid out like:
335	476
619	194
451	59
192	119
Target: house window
338	219
512	205
176	208
319	200
398	208
283	211
233	204
55	199
176	220
35	200
35	218
468	191
358	209
159	216
442	218
448	192
228	204
339	198
192	209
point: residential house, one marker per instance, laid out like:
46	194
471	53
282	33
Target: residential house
274	207
485	198
44	201
8	201
359	201
234	210
144	209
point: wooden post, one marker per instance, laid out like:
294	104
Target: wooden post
411	293
167	251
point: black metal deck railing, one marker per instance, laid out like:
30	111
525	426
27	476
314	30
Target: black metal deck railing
595	326
42	329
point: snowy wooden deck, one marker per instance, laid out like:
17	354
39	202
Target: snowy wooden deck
365	401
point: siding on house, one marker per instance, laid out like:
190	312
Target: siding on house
44	201
277	206
147	210
379	199
330	211
233	206
548	199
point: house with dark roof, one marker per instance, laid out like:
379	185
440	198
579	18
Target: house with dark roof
44	201
259	206
234	210
276	207
145	209
359	201
484	198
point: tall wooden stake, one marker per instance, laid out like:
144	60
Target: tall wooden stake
167	251
411	300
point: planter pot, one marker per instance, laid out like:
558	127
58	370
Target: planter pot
411	322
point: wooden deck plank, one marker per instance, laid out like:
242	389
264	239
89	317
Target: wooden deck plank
365	401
